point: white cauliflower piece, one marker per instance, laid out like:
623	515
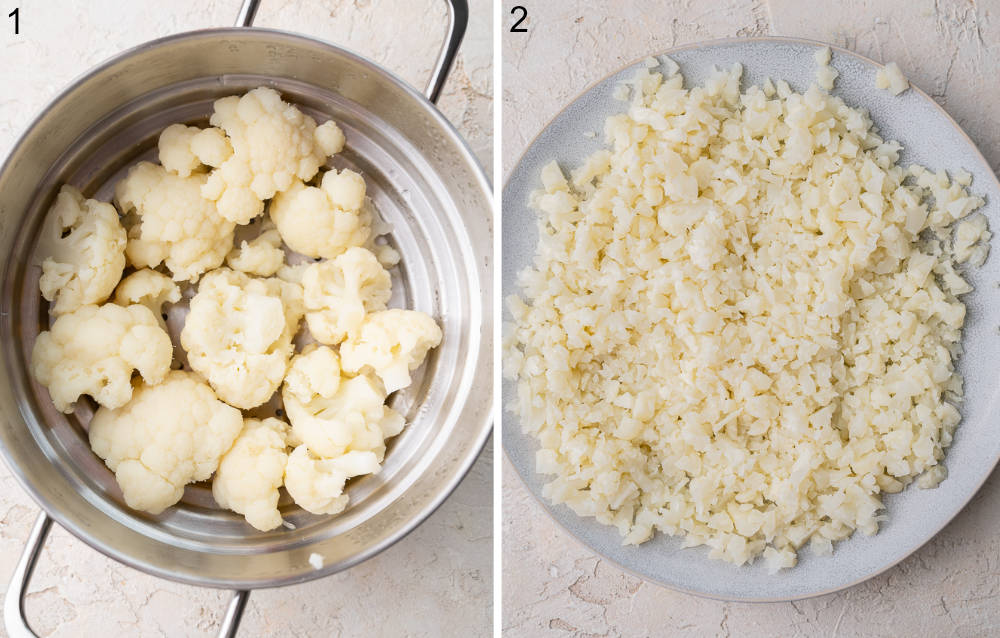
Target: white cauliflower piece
317	484
251	472
173	223
891	78
323	221
83	245
354	417
293	273
149	288
261	256
274	144
338	293
94	349
165	437
238	334
315	371
391	342
185	149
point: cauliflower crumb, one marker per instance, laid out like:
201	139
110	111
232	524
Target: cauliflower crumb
171	222
744	334
825	74
251	472
323	221
238	334
163	438
316	561
891	78
186	149
317	485
972	237
338	293
392	343
83	244
274	146
261	256
94	349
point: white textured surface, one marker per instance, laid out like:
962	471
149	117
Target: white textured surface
555	587
437	581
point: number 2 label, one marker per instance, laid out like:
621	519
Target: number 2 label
519	10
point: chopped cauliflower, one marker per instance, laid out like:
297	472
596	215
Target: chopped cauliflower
149	288
173	223
83	244
238	334
317	484
166	436
339	292
293	273
186	149
323	221
392	342
274	145
261	256
314	371
354	417
94	349
251	472
891	78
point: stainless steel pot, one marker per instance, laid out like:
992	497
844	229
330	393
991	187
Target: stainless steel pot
425	182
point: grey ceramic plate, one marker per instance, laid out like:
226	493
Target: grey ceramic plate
930	137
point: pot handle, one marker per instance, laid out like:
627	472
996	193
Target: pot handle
458	20
15	619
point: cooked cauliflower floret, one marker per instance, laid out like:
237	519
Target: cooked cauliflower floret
261	256
173	223
83	247
251	472
317	484
315	371
338	293
94	349
185	149
149	288
354	417
238	334
274	144
323	221
293	273
392	342
166	436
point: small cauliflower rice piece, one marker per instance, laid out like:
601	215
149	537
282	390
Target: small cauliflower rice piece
94	350
323	221
251	472
166	436
891	78
274	145
187	149
238	334
317	484
171	222
83	245
392	343
339	292
261	256
334	418
741	320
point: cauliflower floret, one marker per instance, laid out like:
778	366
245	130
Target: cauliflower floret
315	371
293	273
251	472
173	223
338	293
354	417
274	144
185	149
392	342
94	349
149	288
83	244
323	221
261	256
165	437
238	334
317	484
